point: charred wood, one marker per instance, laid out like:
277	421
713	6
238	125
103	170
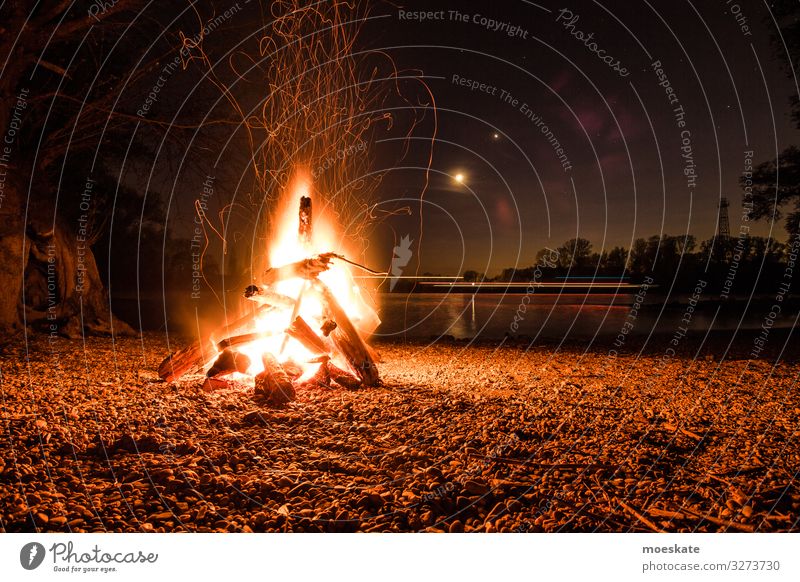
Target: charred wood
346	338
273	385
302	332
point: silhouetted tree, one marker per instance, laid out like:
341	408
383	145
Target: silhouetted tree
616	260
776	183
473	276
62	86
575	253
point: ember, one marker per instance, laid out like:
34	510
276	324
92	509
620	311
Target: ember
307	325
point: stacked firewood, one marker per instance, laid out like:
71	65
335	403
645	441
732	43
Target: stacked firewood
336	339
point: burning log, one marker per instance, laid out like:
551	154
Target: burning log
327	327
306	269
273	385
227	362
344	379
329	372
336	337
198	355
265	296
292	369
189	359
238	340
322	377
347	339
305	231
303	333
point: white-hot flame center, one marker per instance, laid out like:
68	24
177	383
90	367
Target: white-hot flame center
285	248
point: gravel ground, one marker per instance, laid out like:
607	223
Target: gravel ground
458	438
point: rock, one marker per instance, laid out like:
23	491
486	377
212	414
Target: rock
456	527
163	516
475	487
213	384
381	459
500	507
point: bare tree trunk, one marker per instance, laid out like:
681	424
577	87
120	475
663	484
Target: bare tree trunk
14	250
63	292
48	279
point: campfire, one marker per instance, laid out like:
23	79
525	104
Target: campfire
306	324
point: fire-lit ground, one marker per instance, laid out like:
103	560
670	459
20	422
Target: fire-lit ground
459	439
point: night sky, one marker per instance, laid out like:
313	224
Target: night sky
608	121
622	173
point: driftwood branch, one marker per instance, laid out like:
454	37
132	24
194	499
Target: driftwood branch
721	522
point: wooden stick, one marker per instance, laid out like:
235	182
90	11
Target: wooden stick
305	269
303	333
191	358
672	428
656	512
640	516
739	472
347	339
582	509
295	312
723	522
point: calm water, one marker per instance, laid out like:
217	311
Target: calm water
576	316
490	316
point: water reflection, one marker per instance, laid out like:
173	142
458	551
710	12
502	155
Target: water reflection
486	315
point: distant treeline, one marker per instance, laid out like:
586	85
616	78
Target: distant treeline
731	266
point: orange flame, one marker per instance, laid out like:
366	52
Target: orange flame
286	248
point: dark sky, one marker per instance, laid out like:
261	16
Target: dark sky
620	172
619	132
